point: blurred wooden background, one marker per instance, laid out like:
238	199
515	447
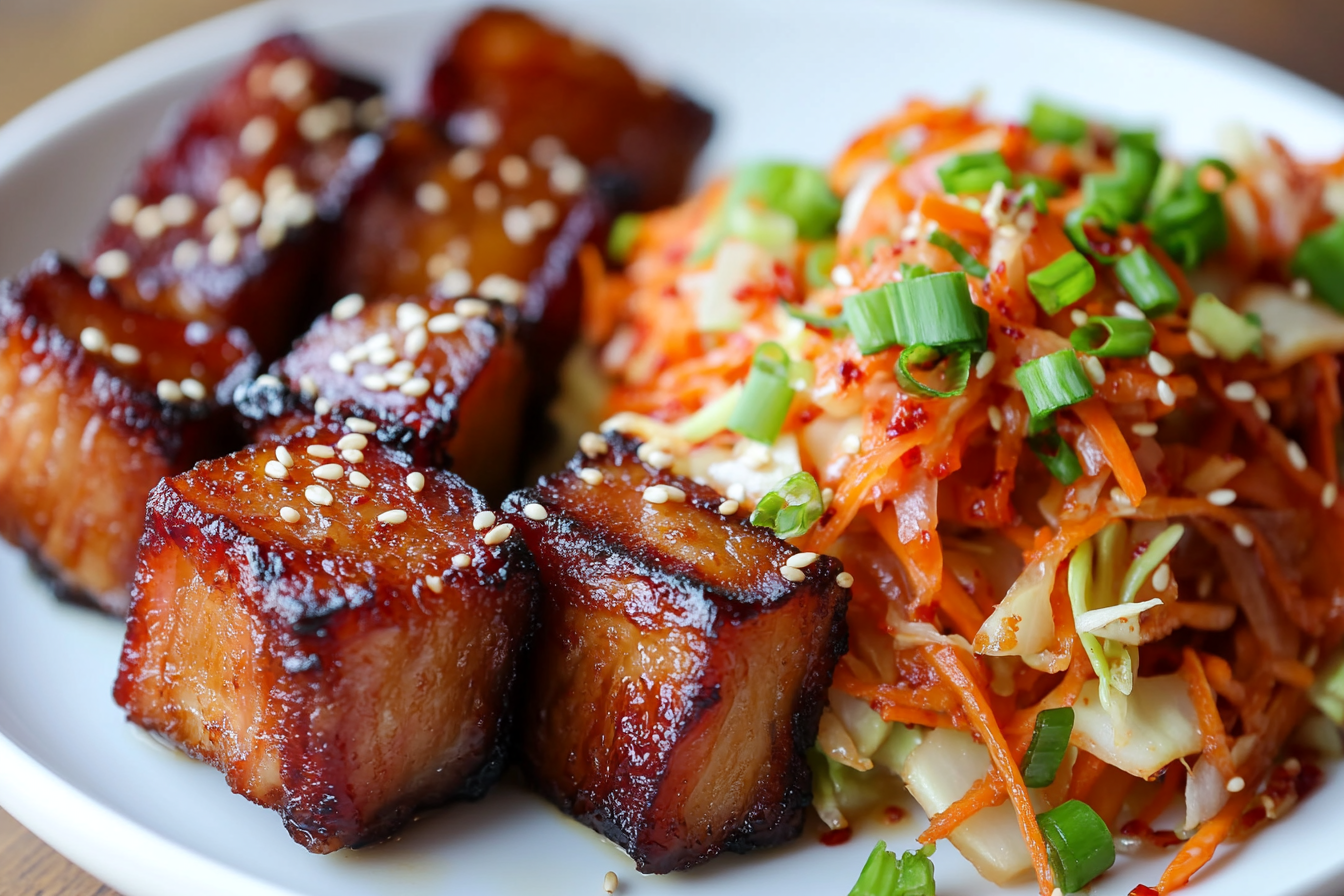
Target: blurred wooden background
45	43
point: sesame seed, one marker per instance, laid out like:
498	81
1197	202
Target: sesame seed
148	223
1078	316
289	514
850	444
591	476
1296	456
434	583
543	212
177	209
1200	344
353	440
223	248
995	417
187	254
1129	310
1221	497
317	123
461	561
486	196
359	424
415	481
1160	364
737	492
323	451
359	480
379	340
1165	393
329	472
415	387
168	390
282	454
470	308
269	381
257	136
340	363
567	175
802	560
1144	429
415	342
1329	495
454	283
276	470
299	210
518	226
216	220
112	264
729	507
827	496
270	234
290	78
842	276
383	356
308	385
466	164
1236	784
675	494
394	517
498	534
352	456
534	512
513	170
348	307
655	494
609	882
321	406
374	382
279	181
985	366
793	575
1261	408
1095	371
93	339
593	445
444	323
431	198
1119	497
844	580
123	209
1162	577
124	354
410	316
1239	390
483	520
372	113
1243	534
659	459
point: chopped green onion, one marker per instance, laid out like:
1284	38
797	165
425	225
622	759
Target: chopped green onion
1051	124
952	369
1036	189
869	317
819	263
1320	259
1147	283
1062	282
1147	563
1053	381
975	172
1230	334
624	231
812	319
1049	741
885	875
960	253
799	191
791	507
1113	337
1189	223
711	419
1079	844
766	398
1327	691
935	310
1125	190
1076	223
910	271
773	231
1057	455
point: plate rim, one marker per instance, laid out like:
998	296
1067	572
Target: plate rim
120	851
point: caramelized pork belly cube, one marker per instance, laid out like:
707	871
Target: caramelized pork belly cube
566	101
230	222
445	380
455	220
339	639
681	662
99	404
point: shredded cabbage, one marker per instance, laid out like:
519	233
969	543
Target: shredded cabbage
1161	726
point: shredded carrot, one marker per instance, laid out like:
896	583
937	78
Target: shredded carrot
1206	708
951	215
1196	852
961	610
1087	768
1172	782
1101	424
921	557
1108	795
984	794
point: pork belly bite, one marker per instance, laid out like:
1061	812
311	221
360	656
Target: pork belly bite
99	403
230	222
339	638
681	662
568	102
445	380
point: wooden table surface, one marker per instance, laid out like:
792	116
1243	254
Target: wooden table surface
45	43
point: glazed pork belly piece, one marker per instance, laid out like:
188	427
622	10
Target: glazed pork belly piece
442	379
100	403
568	100
681	662
338	637
230	222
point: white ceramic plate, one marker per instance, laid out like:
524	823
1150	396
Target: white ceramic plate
787	78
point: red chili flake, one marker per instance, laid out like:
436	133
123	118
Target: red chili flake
906	418
1012	332
894	814
1139	550
1253	817
911	457
1140	829
1310	778
850	372
807	415
837	837
670	291
1143	890
826	516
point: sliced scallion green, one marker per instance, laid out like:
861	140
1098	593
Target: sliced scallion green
1054	381
1078	842
1049	741
1049	123
1113	337
1095	214
932	373
791	508
1147	563
624	231
812	319
1230	334
799	191
1062	282
975	172
1148	283
1036	189
1320	260
869	317
937	311
1189	223
766	397
912	271
712	418
886	875
819	263
960	253
1057	455
1125	190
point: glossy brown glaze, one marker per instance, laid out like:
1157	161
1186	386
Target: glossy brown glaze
258	172
535	82
448	387
87	433
677	677
339	669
